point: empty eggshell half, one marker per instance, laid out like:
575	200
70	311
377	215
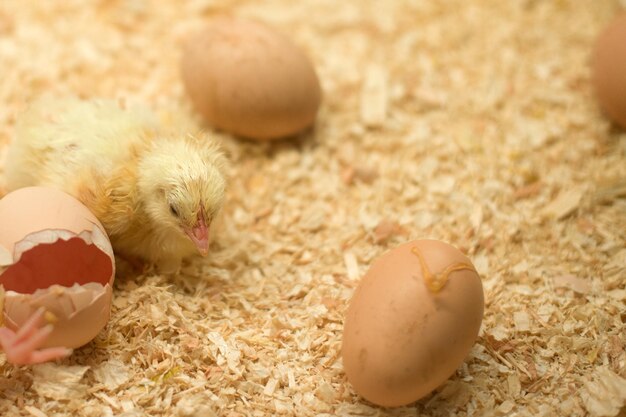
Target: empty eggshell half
55	254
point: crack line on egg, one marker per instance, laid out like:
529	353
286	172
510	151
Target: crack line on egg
435	282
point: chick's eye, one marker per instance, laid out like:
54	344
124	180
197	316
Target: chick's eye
173	210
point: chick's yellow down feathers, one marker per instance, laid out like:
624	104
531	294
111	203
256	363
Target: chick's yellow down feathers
154	190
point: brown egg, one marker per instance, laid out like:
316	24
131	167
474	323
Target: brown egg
609	70
413	319
248	79
54	254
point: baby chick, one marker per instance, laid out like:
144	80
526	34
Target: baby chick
155	191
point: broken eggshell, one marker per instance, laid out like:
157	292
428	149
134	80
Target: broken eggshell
54	253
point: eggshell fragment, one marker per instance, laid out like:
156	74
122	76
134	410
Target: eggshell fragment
412	320
609	69
54	254
248	79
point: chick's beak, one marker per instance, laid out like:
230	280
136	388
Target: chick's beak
199	234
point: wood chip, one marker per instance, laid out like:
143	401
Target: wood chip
617	264
618	294
374	96
576	284
352	174
326	392
195	405
611	192
365	174
604	393
506	407
34	411
59	382
514	385
270	386
385	230
499	333
112	374
528	190
522	321
564	204
352	266
109	400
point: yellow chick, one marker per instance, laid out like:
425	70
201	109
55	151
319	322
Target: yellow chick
155	191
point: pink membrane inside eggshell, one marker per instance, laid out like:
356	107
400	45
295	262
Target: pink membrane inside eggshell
57	257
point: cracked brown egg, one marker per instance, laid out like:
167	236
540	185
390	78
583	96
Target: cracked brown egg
54	254
411	322
250	80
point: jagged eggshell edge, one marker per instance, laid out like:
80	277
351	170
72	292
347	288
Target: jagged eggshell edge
78	313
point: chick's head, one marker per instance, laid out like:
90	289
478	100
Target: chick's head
183	184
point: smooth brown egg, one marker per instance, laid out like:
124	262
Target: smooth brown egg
609	70
250	80
55	254
412	320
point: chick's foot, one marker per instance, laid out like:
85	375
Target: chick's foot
21	347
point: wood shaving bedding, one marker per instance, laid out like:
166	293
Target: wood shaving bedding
470	122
